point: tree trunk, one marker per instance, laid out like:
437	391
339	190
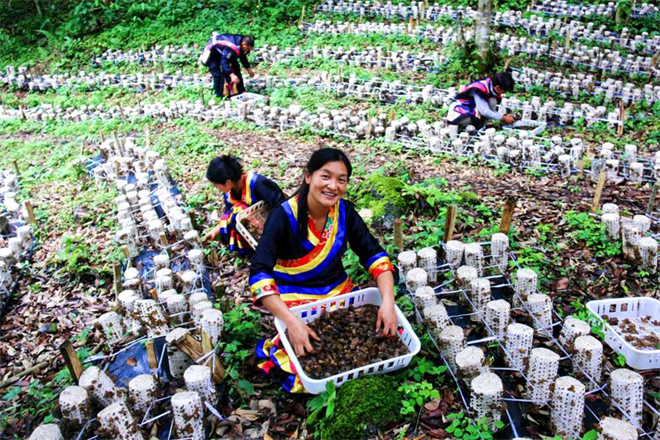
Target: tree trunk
482	33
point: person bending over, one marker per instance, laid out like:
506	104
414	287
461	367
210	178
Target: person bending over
222	55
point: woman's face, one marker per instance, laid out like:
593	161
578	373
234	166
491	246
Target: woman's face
224	188
328	184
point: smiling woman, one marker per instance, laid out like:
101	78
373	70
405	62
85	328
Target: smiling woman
299	259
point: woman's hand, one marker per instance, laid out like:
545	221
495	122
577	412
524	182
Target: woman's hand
387	319
299	334
213	234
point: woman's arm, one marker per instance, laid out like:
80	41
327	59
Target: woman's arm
386	314
264	289
375	260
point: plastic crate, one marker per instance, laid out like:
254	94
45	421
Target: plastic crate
310	312
628	308
245	214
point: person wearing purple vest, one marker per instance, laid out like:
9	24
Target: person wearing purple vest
478	101
222	55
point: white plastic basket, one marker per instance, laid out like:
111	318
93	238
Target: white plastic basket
310	312
628	308
247	213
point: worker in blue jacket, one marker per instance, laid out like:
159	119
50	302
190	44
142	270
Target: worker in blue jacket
222	55
477	102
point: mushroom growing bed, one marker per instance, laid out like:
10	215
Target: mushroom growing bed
513	358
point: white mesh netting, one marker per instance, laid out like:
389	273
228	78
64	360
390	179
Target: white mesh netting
112	327
648	252
452	342
630	235
428	260
487	392
424	297
118	423
470	363
541	373
100	386
612	224
141	392
540	306
498	315
47	431
407	261
518	344
150	315
474	256
465	275
416	278
526	280
627	389
499	249
197	310
198	378
188	415
616	429
437	317
567	406
75	405
454	251
572	329
197	297
212	323
588	358
480	295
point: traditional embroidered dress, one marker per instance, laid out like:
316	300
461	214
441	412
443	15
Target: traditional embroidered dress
255	188
307	270
465	106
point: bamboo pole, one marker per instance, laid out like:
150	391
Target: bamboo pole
450	221
398	233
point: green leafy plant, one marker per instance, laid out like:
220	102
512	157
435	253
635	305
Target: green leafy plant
326	400
415	395
589	230
462	427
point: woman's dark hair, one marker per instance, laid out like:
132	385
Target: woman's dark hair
315	163
504	80
224	168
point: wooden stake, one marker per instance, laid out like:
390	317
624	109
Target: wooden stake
398	234
30	212
302	15
622	117
194	350
450	221
164	242
116	270
507	215
117	143
654	193
392	115
599	191
72	360
151	354
127	255
16	169
580	166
